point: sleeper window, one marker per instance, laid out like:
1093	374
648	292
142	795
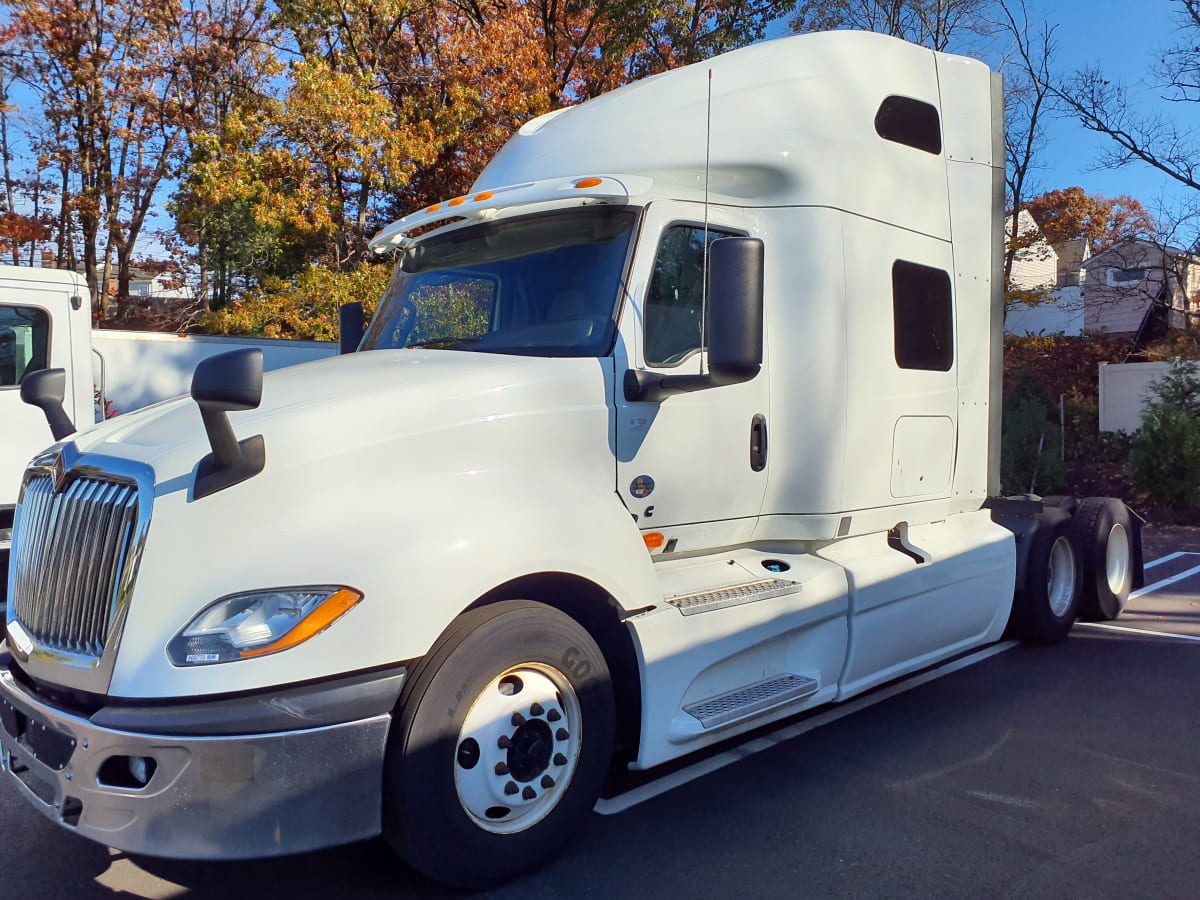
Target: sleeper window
923	314
913	123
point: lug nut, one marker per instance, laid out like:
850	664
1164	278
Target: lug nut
536	709
559	759
553	715
528	794
511	788
503	742
561	734
518	720
501	769
547	782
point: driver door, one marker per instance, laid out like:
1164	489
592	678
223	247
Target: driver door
684	464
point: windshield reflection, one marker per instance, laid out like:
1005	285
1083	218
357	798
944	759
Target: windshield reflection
541	285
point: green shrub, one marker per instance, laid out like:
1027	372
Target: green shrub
1029	446
1179	389
1164	462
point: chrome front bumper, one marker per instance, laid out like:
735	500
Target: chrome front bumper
210	797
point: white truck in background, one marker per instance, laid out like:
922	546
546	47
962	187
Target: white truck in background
46	322
684	420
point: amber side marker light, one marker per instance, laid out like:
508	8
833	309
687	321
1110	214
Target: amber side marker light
314	623
654	539
433	208
457	201
589	182
485	195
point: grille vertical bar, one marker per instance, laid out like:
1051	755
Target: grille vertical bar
69	554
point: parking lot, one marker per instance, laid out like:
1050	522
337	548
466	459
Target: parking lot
1018	771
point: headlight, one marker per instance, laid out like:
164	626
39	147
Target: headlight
259	622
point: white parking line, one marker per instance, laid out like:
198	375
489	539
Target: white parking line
1168	558
1165	582
1105	626
612	805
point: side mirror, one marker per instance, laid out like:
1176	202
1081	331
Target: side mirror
220	385
735	315
734	329
350	327
46	389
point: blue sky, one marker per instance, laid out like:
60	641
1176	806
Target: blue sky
1124	37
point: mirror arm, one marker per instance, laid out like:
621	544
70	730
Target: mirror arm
643	386
220	384
46	389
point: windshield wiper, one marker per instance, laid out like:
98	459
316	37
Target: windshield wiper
445	343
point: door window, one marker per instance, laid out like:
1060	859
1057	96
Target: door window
24	342
676	294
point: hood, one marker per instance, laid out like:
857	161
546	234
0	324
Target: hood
347	403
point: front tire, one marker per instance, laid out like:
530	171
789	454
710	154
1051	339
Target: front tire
500	745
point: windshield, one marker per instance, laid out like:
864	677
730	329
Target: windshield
541	285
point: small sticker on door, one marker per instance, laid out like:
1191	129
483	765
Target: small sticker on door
642	486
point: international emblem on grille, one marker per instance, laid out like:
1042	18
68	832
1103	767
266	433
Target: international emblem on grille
71	550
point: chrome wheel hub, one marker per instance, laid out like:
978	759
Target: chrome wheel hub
1116	558
1060	576
518	748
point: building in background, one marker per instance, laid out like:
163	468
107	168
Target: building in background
1137	288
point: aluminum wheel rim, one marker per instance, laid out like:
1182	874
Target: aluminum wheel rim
1060	576
1116	559
518	748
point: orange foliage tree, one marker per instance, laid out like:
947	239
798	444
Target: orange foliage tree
290	130
1070	213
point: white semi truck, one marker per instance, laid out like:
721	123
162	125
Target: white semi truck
684	420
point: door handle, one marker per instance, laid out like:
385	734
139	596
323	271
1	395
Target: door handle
758	443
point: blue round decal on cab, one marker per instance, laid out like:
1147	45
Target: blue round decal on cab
643	486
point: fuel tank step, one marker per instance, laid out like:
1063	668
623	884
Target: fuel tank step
733	595
753	698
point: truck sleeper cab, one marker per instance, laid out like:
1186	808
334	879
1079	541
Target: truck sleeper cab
633	457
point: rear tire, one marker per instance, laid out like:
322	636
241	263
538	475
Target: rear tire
1105	535
1046	606
500	745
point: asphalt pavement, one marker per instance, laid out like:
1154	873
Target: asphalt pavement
1035	772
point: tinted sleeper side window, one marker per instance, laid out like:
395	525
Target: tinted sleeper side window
923	317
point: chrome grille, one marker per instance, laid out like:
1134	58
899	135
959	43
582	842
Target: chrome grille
69	555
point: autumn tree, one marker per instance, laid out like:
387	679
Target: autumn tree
106	85
1069	213
227	65
17	228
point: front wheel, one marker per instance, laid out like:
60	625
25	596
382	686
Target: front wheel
500	746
